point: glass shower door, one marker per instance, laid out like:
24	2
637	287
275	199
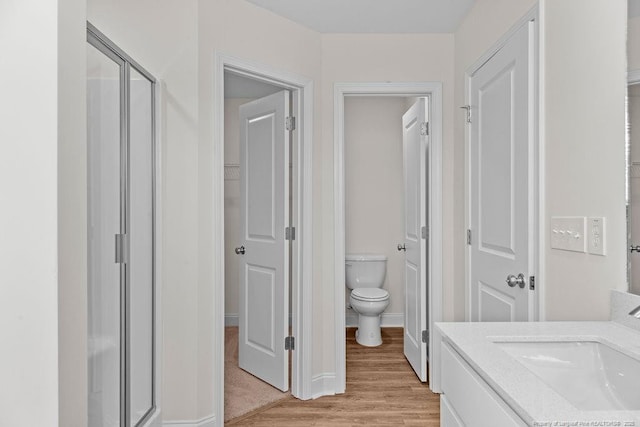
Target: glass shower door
104	131
121	246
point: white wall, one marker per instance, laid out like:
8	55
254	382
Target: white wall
43	188
232	235
162	36
633	44
585	153
72	213
486	22
374	189
29	216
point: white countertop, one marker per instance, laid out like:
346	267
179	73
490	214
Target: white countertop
532	399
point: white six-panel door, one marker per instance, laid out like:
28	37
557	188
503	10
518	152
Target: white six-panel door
264	266
500	183
415	207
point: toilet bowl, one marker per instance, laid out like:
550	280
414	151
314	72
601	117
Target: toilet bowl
365	275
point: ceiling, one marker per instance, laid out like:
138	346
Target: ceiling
380	16
236	86
372	16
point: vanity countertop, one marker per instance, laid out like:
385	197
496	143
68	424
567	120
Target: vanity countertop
532	399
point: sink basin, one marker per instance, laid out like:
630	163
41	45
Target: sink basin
589	374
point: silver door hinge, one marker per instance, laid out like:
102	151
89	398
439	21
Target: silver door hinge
468	237
289	343
532	283
425	233
468	108
290	123
425	336
290	233
121	248
424	128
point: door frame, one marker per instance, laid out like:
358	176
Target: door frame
302	89
433	90
537	223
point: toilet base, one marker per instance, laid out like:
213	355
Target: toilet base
368	333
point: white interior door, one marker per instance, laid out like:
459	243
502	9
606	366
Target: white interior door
500	184
264	255
415	139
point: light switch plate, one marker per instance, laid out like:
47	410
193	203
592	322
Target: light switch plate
568	233
596	229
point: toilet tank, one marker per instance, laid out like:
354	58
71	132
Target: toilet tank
365	270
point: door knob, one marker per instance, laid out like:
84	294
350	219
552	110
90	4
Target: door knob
240	250
633	249
401	247
512	280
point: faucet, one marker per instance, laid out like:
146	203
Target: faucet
635	312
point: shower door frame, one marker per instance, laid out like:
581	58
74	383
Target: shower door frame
107	47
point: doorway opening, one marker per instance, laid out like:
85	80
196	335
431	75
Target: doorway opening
385	210
268	113
426	307
256	371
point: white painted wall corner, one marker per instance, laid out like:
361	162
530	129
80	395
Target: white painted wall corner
230	320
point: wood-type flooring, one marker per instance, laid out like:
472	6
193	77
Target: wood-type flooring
382	390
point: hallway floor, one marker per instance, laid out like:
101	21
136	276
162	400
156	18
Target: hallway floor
382	389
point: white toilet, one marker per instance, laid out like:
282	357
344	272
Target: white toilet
364	276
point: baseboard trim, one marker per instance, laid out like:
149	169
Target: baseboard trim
230	320
388	320
209	421
323	385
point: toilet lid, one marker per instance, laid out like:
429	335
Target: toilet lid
370	294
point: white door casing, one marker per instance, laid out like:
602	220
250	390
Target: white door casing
264	266
414	142
501	182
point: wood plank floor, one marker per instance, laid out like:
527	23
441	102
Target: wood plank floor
382	390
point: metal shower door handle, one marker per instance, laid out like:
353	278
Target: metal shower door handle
512	280
240	250
402	247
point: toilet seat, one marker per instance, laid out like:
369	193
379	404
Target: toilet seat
369	294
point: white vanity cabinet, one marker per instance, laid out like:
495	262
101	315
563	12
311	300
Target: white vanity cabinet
482	384
467	400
